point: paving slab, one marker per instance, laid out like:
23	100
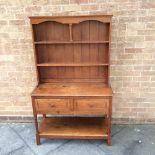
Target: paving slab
22	151
27	134
9	141
132	140
78	147
19	139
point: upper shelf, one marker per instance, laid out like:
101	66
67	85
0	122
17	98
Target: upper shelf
71	42
85	32
71	64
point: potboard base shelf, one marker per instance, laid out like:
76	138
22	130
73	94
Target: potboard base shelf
73	128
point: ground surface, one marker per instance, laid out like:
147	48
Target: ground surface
19	139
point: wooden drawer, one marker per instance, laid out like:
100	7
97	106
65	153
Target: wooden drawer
53	106
91	106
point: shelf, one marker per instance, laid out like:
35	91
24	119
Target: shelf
71	42
74	128
71	64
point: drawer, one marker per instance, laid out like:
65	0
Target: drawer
91	106
53	106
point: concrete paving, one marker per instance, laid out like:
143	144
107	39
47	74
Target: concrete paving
19	139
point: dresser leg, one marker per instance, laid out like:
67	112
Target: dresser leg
44	115
109	139
37	139
109	132
35	121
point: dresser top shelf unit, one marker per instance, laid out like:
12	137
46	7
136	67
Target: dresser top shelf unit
74	48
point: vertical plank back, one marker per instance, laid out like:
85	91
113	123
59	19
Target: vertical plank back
85	42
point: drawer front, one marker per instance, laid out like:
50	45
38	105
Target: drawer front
91	107
53	106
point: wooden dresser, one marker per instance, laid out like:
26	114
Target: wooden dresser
72	62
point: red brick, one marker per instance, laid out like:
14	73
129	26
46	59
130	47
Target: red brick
148	5
17	22
133	50
78	1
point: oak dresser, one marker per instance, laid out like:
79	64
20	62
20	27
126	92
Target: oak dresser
72	57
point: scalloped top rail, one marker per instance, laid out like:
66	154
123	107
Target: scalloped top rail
70	19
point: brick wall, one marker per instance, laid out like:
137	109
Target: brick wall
132	54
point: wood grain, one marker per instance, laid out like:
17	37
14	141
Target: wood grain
72	89
73	128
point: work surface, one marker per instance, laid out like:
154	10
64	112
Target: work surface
72	89
19	139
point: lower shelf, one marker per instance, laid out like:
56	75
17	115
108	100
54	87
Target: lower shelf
73	128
